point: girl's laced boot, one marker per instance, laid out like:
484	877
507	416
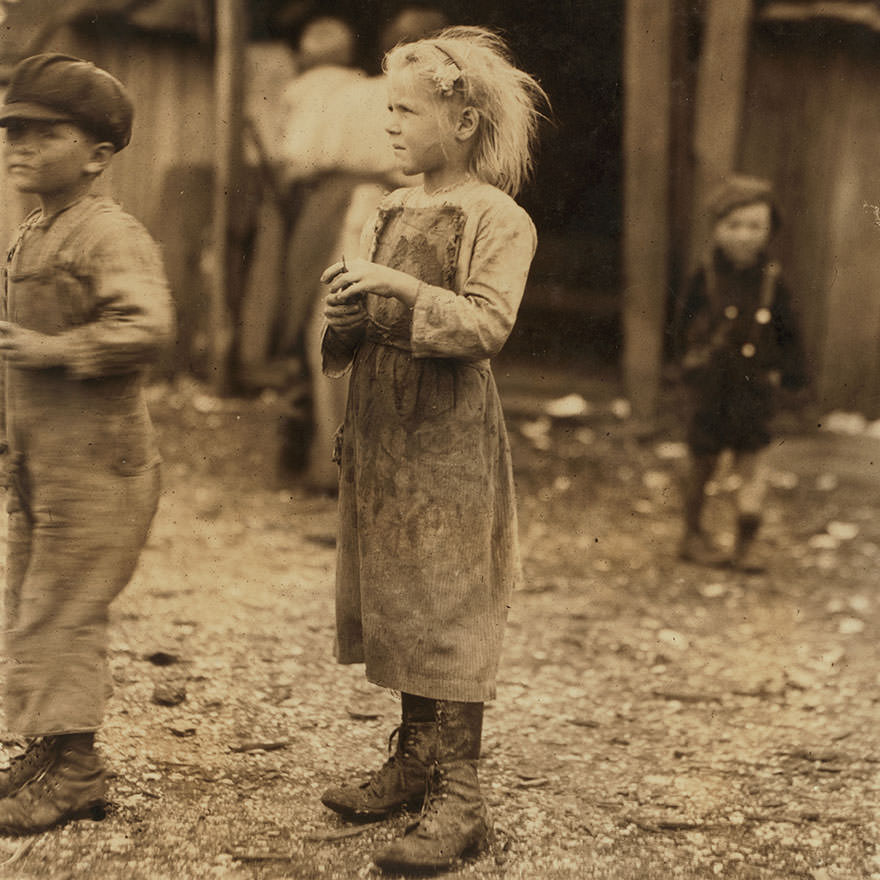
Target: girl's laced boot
38	755
72	786
399	782
454	819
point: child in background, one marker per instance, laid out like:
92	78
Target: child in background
738	341
428	553
85	308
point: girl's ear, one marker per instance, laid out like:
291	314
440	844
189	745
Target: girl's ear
100	157
468	123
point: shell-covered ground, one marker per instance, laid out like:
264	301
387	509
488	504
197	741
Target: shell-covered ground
654	719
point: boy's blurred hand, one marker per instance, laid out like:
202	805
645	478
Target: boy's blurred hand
29	349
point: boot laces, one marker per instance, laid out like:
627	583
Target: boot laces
51	780
32	757
435	795
377	782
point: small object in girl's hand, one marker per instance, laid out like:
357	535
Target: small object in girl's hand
344	269
355	296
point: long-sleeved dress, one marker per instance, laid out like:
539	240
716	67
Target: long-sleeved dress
83	461
427	547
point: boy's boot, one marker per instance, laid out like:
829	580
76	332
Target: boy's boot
746	556
402	779
454	819
72	786
38	755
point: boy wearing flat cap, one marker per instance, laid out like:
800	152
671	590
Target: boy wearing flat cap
738	339
85	309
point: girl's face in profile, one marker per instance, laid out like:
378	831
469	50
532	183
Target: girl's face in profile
419	127
743	234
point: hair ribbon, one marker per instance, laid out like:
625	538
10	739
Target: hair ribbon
445	81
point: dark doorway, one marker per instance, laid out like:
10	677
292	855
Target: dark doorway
575	49
571	310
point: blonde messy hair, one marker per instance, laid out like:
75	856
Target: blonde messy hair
473	67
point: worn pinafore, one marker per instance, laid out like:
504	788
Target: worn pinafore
427	555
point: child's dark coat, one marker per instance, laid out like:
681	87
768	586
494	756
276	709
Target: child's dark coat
735	328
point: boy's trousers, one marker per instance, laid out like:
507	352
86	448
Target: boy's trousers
70	553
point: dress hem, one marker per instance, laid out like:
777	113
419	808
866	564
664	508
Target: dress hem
432	689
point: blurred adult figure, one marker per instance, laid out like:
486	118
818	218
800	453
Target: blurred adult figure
335	144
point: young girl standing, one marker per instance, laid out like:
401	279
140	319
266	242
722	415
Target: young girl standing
428	551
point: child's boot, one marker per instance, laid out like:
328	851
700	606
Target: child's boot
454	819
72	786
696	545
746	555
402	779
699	548
38	755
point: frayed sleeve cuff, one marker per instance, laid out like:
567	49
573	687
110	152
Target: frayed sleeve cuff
338	349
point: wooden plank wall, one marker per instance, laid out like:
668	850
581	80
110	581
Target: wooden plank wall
171	85
721	79
811	126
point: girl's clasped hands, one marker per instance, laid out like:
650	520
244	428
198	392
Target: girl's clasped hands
344	306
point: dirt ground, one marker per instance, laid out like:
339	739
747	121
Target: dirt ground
654	720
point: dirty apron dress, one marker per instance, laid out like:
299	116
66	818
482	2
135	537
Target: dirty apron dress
83	463
428	554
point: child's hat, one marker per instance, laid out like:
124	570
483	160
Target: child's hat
740	190
62	88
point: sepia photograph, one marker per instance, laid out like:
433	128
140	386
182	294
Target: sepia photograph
440	438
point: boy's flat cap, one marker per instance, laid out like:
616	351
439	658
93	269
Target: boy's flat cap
67	89
739	190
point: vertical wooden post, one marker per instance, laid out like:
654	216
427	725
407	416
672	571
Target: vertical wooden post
231	36
721	86
646	136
